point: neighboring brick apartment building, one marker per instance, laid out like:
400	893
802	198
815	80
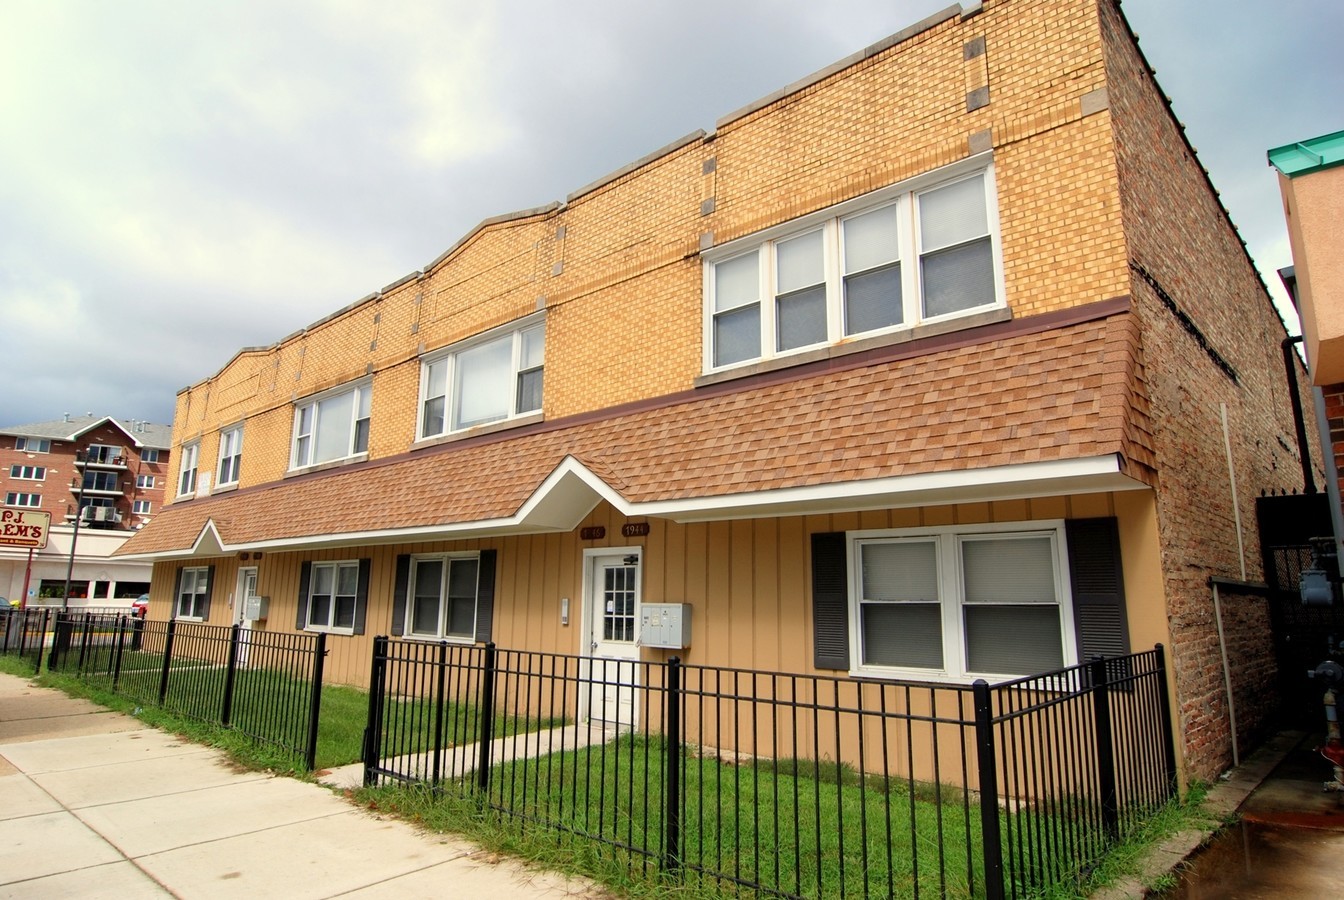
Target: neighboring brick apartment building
113	471
918	368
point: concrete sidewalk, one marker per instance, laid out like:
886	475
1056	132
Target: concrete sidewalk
94	804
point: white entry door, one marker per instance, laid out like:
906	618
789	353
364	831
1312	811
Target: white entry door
247	590
613	592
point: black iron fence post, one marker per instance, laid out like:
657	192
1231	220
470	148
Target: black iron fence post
487	719
85	642
672	838
373	729
1101	713
990	834
315	702
439	688
229	671
167	660
116	655
42	637
1168	732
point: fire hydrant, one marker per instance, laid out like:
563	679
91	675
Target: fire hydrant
1332	673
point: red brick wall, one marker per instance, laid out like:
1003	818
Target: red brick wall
1177	232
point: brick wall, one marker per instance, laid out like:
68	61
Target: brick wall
1199	302
617	267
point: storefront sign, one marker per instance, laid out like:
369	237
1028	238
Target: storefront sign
24	528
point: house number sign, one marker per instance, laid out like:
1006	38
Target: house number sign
635	529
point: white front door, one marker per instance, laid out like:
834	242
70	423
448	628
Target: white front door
247	590
613	600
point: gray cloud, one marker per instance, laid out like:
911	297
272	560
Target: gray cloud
178	181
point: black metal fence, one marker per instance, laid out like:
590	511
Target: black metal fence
23	633
265	684
786	785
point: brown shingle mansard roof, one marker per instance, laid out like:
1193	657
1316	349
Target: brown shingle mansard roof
1061	393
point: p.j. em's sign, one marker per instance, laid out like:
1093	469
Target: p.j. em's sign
24	528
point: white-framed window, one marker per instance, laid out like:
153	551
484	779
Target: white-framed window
442	596
489	378
19	498
149	455
331	426
140	507
186	482
145	482
193	594
333	592
925	250
32	445
961	602
230	455
28	473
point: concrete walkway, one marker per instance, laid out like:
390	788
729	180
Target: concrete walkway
94	804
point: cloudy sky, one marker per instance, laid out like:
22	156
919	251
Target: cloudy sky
179	180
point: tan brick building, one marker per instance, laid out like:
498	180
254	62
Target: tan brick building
918	368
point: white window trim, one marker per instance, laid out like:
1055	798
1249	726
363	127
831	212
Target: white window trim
34	500
43	445
408	613
33	477
135	507
144	482
236	432
350	387
191	454
948	540
335	565
903	194
514	328
149	455
177	599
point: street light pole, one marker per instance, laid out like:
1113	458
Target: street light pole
80	456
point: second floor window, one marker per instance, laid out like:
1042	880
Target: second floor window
21	499
32	445
101	481
149	455
230	455
331	426
144	481
187	482
28	473
919	251
140	507
495	377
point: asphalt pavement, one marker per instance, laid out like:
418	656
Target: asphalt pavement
95	804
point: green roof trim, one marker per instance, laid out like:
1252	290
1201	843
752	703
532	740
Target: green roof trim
1308	156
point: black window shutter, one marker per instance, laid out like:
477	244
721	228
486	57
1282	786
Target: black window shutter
485	595
830	602
399	593
305	576
1098	587
209	592
177	594
362	594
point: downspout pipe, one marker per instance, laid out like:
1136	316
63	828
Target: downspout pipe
1290	369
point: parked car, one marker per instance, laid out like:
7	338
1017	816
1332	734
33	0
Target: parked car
140	606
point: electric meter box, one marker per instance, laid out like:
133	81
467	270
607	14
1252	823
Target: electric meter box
666	625
255	608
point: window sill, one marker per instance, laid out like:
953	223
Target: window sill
455	640
858	345
330	464
489	428
318	629
224	488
